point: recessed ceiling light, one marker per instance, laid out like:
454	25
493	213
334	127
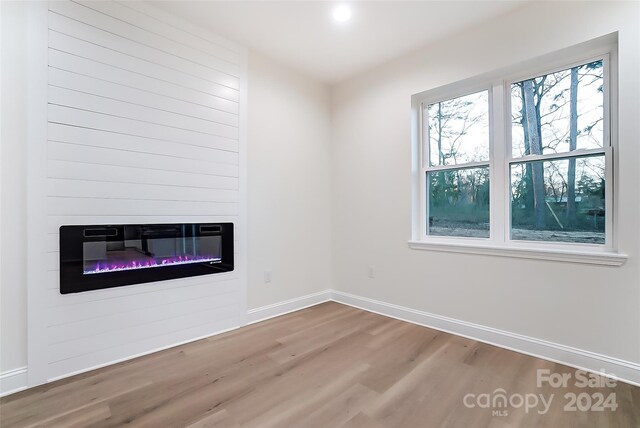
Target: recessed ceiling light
342	13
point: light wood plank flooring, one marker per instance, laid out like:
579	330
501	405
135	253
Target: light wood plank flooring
326	366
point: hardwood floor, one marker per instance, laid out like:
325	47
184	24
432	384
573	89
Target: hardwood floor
326	366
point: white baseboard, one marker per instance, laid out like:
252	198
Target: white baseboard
624	371
13	381
270	311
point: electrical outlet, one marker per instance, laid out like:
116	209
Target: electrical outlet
370	272
267	276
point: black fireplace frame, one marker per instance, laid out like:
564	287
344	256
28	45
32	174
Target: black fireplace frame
73	279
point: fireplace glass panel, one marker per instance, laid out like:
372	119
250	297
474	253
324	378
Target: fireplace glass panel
93	257
133	247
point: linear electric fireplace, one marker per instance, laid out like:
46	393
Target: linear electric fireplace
104	256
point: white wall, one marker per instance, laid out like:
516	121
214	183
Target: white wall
583	306
13	293
289	198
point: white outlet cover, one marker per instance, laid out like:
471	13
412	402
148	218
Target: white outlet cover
370	272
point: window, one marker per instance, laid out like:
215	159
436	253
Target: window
557	165
519	161
458	166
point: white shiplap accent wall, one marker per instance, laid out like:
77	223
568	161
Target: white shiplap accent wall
144	125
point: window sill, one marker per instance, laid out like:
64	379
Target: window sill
571	256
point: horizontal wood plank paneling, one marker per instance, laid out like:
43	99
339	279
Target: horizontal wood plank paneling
122	29
100	303
100	342
85	153
135	331
125	174
157	116
143	127
106	207
165	31
89	189
124	125
95	69
99	37
134	144
52	242
102	55
204	327
89	85
86	328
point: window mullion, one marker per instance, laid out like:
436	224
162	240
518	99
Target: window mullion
499	194
575	154
456	167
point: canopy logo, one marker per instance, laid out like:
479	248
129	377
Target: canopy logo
500	402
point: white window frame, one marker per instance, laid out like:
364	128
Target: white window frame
498	85
425	155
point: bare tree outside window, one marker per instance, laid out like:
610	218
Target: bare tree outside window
560	113
458	183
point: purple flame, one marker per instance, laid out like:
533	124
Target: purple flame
103	267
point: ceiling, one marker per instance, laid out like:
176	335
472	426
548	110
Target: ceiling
303	35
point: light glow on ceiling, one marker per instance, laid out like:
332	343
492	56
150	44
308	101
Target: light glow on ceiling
342	13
